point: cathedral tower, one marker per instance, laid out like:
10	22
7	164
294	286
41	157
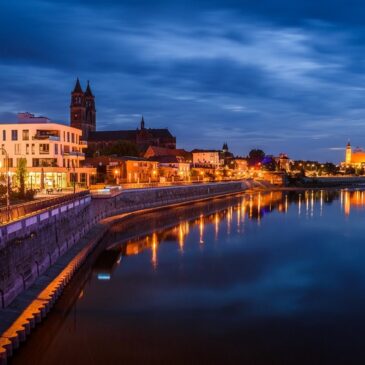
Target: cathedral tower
90	111
82	110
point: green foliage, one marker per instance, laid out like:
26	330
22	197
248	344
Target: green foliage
255	157
21	172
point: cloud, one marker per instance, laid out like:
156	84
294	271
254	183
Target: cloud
290	79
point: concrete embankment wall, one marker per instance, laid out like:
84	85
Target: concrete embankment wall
30	246
336	181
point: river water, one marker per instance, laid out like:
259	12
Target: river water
269	278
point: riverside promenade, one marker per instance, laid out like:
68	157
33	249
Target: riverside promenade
40	253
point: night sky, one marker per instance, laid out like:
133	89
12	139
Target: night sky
281	75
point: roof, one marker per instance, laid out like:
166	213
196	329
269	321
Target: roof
161	133
203	151
162	151
88	91
112	135
77	88
130	135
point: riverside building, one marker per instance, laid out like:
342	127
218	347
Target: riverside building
53	151
354	158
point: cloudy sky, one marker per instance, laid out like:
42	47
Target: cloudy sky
281	75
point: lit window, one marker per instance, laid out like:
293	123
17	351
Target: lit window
44	148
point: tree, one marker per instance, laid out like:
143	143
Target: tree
21	172
255	157
121	148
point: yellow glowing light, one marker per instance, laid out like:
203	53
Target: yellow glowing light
154	250
201	229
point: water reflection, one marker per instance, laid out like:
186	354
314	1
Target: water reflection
226	281
254	207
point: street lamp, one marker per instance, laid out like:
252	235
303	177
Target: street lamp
7	182
116	175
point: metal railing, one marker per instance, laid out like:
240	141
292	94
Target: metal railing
18	211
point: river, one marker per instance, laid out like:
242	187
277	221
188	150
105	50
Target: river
264	278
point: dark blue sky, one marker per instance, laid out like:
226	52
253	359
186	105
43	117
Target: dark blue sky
281	75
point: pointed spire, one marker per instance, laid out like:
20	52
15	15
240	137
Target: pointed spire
348	143
142	123
78	88
88	89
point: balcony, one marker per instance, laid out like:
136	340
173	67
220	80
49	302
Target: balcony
74	153
83	143
38	137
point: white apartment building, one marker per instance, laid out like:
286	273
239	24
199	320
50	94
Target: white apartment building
53	152
208	158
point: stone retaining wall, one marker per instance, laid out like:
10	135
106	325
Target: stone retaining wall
31	245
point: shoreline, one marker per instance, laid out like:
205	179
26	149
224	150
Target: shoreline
19	319
33	305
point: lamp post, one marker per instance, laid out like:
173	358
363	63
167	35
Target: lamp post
116	176
7	183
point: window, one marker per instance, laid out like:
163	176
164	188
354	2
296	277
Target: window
10	160
44	162
4	135
64	136
43	148
68	136
27	149
17	149
14	135
33	149
25	134
56	149
73	137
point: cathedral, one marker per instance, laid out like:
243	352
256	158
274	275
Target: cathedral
82	110
83	116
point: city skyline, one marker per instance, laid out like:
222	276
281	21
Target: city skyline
278	76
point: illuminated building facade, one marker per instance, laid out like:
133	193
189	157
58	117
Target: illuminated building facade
126	169
53	151
354	158
206	158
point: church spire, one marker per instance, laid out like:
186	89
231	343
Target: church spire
78	88
88	91
142	123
